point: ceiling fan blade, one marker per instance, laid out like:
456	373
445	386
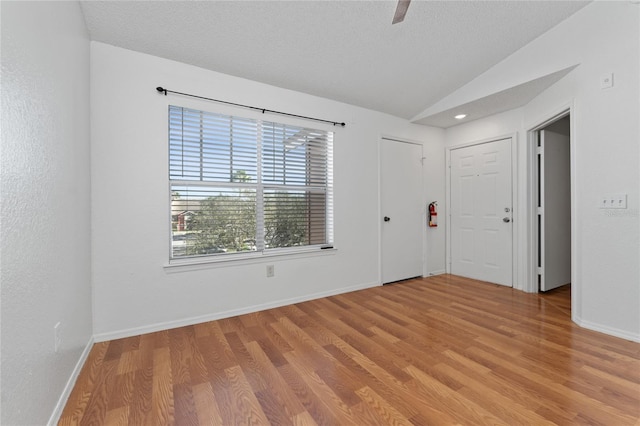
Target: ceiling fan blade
401	10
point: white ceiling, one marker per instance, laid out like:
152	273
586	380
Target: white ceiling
504	100
342	50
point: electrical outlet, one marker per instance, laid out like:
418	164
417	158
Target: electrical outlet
270	271
57	337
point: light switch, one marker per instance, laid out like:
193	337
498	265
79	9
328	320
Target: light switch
613	201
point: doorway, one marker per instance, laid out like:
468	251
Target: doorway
481	211
553	203
402	210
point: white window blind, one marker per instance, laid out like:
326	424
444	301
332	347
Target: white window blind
242	185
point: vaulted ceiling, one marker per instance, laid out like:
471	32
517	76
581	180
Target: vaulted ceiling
342	50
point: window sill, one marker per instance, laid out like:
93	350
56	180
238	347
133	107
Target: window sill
222	261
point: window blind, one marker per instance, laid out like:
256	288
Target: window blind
241	185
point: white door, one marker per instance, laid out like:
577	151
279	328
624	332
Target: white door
554	210
481	212
401	209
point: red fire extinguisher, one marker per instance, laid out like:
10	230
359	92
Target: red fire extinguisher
433	214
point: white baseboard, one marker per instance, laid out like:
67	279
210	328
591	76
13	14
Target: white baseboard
607	330
62	401
438	272
103	337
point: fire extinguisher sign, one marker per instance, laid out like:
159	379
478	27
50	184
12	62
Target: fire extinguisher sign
433	214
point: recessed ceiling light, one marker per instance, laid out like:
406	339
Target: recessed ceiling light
460	116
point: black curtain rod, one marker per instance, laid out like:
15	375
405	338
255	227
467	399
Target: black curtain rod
165	91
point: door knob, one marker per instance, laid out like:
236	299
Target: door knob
506	219
387	218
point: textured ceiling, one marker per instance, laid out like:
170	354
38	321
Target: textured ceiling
342	50
505	100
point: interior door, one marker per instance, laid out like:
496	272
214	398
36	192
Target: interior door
402	210
554	210
481	212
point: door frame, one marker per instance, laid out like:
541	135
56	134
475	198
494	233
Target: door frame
532	190
553	163
516	210
380	213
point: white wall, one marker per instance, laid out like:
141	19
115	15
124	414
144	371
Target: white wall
603	37
45	197
133	291
434	169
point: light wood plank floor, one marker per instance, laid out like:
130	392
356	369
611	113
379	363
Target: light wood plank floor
436	351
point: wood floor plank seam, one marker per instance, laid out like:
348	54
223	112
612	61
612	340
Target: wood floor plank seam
442	350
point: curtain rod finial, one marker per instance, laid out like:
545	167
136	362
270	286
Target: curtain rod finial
161	90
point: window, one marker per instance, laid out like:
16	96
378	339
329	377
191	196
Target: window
240	185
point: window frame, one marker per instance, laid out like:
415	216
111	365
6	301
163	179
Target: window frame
261	188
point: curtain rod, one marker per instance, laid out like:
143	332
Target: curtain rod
160	89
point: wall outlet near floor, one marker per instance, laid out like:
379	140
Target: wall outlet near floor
270	271
57	337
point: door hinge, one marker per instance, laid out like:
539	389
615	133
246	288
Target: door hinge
539	150
539	210
539	270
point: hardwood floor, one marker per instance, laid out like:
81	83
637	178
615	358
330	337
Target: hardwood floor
436	351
